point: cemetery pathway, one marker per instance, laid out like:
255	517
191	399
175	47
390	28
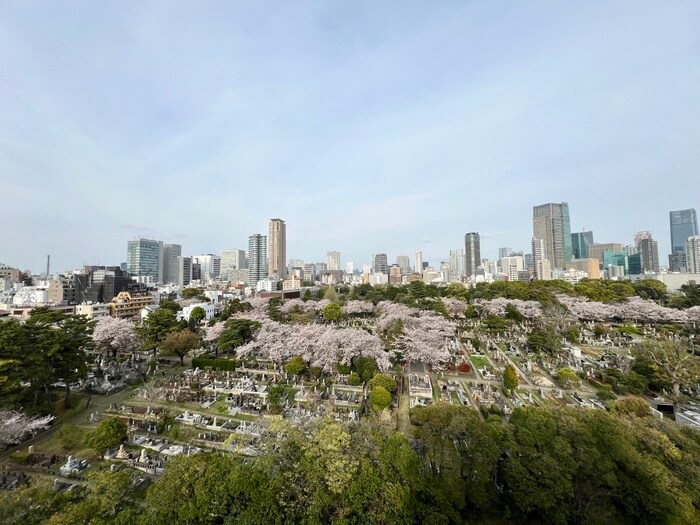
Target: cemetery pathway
403	417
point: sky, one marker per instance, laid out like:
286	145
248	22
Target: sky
367	126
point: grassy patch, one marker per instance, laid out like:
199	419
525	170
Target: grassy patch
480	362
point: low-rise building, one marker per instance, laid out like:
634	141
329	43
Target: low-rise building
94	310
128	304
186	312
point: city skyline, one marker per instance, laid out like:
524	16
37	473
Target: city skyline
432	120
368	259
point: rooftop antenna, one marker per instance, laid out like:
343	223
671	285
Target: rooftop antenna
48	265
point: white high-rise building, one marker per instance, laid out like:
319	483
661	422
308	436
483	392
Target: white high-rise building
456	265
419	262
333	260
404	262
349	268
692	254
543	269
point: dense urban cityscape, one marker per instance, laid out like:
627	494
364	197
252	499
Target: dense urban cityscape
260	340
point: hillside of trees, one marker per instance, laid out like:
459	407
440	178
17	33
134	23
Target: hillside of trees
543	466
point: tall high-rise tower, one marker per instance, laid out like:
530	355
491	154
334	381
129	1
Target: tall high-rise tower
144	258
580	241
684	224
277	248
333	260
648	250
419	262
550	222
472	253
380	263
543	272
692	253
172	254
257	258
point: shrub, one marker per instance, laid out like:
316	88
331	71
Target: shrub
464	367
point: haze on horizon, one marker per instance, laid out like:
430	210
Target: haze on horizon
368	127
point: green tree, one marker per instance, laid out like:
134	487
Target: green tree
379	398
543	339
510	377
197	314
191	293
365	367
170	305
157	326
180	343
568	378
572	334
513	313
355	379
676	361
274	398
332	312
56	347
295	366
108	434
383	380
651	289
237	333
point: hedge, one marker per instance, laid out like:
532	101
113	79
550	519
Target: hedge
219	364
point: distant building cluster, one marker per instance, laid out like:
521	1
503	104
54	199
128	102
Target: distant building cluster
154	269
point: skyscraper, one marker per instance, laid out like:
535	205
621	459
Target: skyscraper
648	250
472	253
404	263
543	271
171	263
232	260
580	241
257	258
333	260
456	264
550	222
684	224
419	262
144	258
380	263
277	250
692	253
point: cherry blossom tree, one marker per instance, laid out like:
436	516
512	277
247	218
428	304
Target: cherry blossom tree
455	308
497	306
319	345
116	335
587	310
211	335
358	308
15	426
425	339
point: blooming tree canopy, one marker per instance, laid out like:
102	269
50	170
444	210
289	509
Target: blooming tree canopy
15	426
116	335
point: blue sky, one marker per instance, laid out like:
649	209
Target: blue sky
366	126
